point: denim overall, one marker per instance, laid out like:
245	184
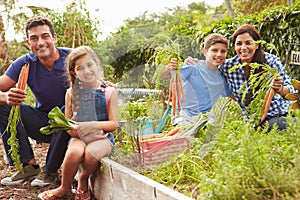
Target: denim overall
93	107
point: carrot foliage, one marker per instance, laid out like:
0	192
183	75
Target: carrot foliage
14	119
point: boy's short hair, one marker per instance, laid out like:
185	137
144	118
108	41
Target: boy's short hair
38	21
213	39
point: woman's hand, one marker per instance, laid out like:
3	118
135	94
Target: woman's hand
277	85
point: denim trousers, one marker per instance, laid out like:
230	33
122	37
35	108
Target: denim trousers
32	120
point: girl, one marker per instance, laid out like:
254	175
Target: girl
94	107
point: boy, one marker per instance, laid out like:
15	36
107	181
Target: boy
203	84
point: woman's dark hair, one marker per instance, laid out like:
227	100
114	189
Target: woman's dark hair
259	55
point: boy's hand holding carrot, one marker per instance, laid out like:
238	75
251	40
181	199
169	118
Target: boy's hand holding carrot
173	65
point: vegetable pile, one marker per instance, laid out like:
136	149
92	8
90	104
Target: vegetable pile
58	121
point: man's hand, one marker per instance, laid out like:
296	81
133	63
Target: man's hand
15	96
110	84
190	60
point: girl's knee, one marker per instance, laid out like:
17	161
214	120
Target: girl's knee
74	152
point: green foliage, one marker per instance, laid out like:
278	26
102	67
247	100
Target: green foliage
77	23
13	120
134	44
236	161
160	59
258	84
242	7
134	115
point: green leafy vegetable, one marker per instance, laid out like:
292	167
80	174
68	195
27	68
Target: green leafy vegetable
58	121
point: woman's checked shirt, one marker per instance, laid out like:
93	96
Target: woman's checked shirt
279	105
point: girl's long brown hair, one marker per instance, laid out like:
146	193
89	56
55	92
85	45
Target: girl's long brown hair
71	60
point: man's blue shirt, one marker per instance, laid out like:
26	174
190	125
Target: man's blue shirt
48	87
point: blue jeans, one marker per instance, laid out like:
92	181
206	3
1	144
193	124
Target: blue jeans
32	121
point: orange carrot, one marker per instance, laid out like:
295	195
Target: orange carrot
268	98
152	136
170	91
174	97
158	139
176	93
23	77
173	132
181	87
14	119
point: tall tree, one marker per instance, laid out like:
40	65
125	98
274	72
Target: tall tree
4	59
229	8
75	26
5	7
246	7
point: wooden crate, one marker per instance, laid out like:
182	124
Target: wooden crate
155	153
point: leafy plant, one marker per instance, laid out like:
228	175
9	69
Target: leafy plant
236	161
58	121
258	84
161	58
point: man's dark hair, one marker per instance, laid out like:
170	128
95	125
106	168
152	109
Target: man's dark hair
38	21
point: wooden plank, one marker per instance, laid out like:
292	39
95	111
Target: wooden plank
117	182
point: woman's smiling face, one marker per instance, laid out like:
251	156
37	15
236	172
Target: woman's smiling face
245	47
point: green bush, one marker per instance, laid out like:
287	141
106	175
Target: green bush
237	162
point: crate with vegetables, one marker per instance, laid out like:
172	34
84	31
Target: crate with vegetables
163	141
154	140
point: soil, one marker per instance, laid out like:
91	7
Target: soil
24	190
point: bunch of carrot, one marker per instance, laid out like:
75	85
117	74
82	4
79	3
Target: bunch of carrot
176	93
14	119
267	102
161	136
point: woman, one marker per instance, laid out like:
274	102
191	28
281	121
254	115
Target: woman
248	51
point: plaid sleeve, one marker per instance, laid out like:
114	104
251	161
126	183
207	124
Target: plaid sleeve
275	62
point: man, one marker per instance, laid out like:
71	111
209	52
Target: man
47	81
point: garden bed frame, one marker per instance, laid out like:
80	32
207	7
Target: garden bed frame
113	181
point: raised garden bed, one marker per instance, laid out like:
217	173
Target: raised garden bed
117	182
